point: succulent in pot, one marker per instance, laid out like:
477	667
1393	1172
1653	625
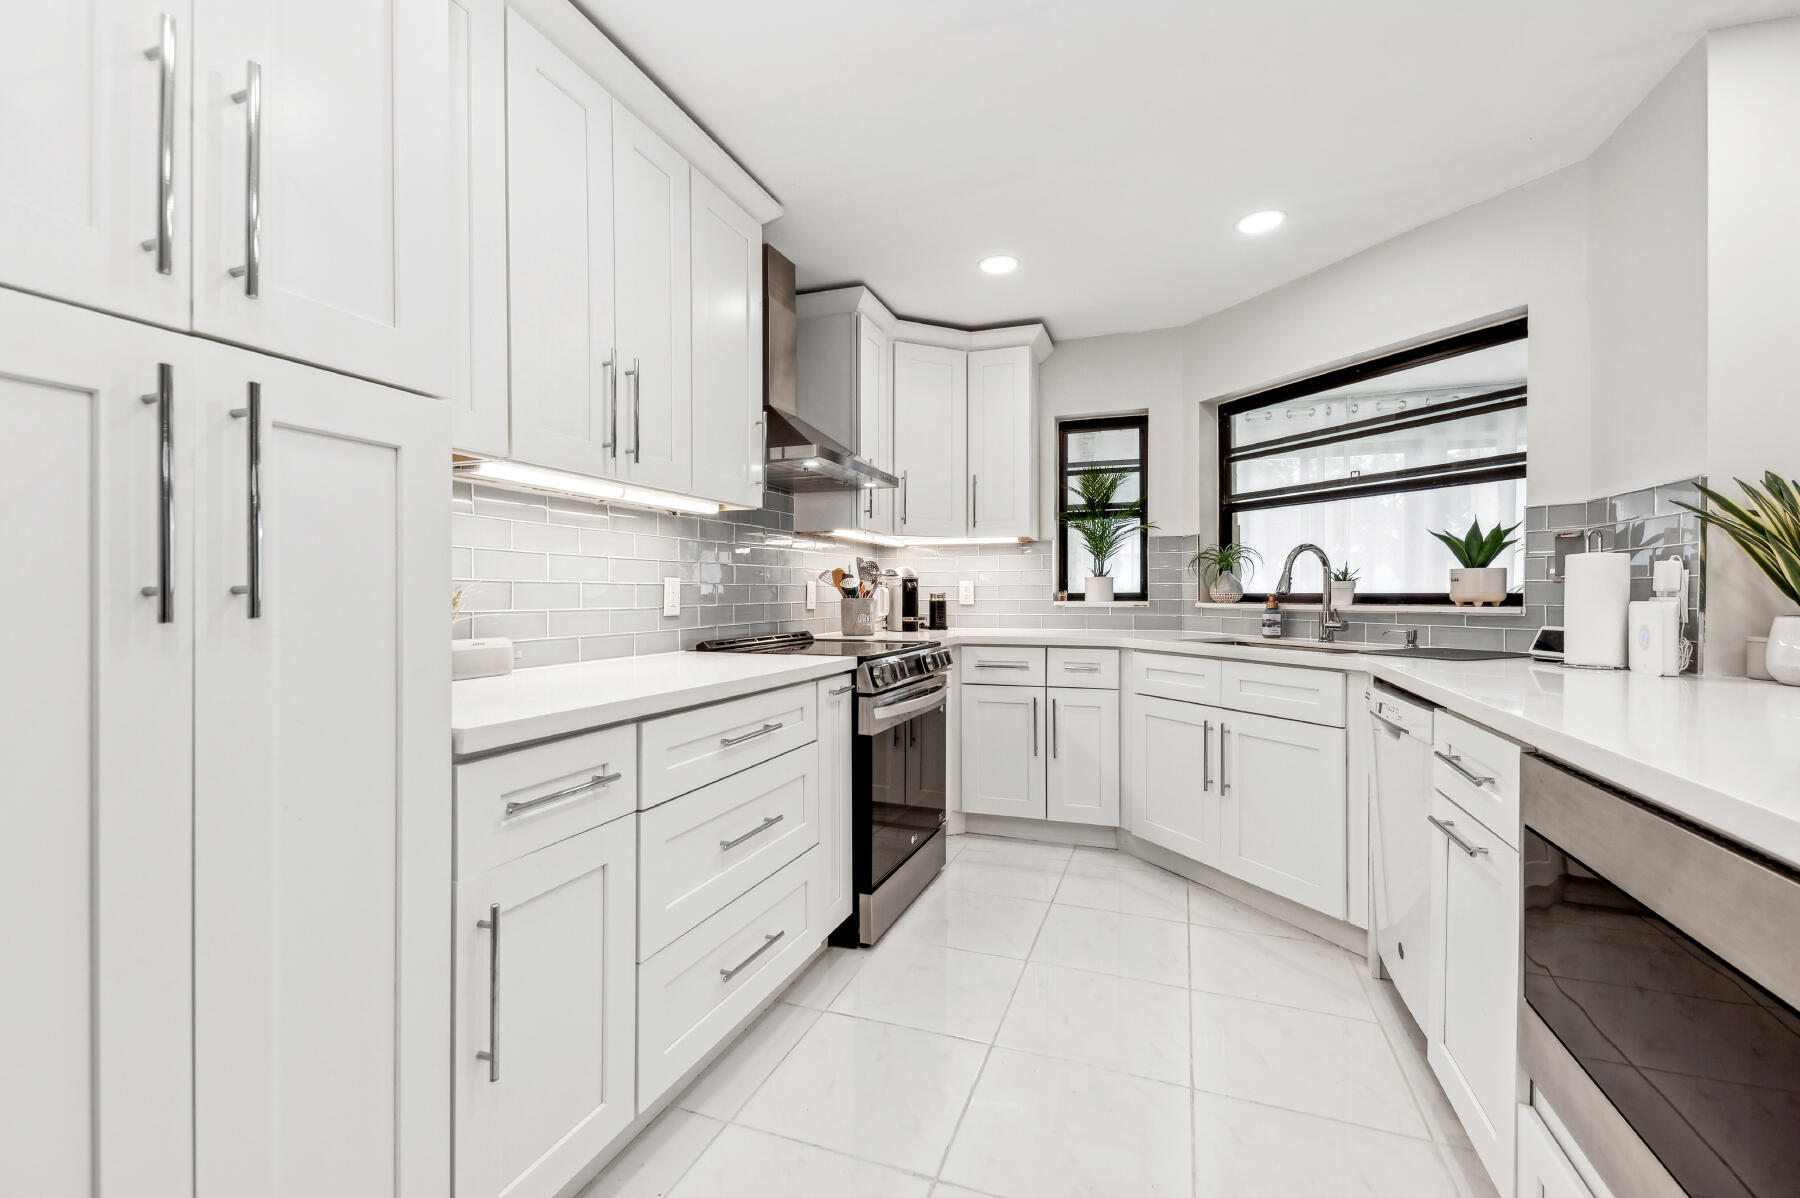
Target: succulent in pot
1343	585
1103	525
1766	526
1478	581
1224	568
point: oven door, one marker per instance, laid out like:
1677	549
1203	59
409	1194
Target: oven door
906	783
1661	978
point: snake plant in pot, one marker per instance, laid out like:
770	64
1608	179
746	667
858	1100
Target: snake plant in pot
1766	526
1103	525
1478	581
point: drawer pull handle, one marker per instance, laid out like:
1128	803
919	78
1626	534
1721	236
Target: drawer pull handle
728	741
491	1054
595	783
1445	826
1455	763
768	823
1081	669
1003	665
769	939
844	690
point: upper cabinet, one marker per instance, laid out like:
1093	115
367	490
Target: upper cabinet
319	175
727	330
1003	460
476	249
931	396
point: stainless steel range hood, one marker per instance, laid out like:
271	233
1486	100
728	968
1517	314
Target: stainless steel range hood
807	451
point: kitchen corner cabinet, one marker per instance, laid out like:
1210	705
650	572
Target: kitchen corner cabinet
931	393
546	1012
727	348
1003	443
1081	774
837	699
1282	808
1002	750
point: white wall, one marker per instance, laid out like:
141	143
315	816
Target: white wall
1647	289
1753	287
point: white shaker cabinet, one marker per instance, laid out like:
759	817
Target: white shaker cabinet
1170	775
95	205
321	774
875	419
1003	443
98	705
1543	1169
477	388
1002	750
319	175
837	700
546	1003
1081	783
727	249
1282	809
930	441
559	178
652	292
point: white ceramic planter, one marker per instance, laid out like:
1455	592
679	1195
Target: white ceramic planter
1226	589
1099	589
1485	585
1783	656
1343	594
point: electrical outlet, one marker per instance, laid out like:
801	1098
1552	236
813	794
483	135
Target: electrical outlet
671	596
965	593
812	596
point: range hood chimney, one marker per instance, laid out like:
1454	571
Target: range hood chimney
807	450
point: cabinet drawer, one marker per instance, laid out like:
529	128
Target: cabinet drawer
518	802
704	849
1096	669
686	751
697	989
1001	665
1477	770
1171	676
1288	692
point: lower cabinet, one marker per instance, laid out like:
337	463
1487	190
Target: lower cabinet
1081	777
545	1013
1472	1030
1283	815
1169	775
1003	750
837	697
1544	1172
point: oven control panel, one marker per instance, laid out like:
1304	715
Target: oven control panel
885	673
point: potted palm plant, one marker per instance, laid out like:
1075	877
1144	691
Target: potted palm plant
1224	568
1103	525
1343	586
1478	581
1766	526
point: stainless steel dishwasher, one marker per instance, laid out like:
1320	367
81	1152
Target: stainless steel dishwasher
1400	840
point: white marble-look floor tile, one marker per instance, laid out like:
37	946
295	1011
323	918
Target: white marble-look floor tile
1157	895
742	1162
980	923
1302	1060
652	1164
1104	861
1132	946
1097	1019
1043	1128
825	977
1467	1173
950	1191
1241	1148
1214	910
1010	879
1294	973
1408	1043
1003	848
729	1082
872	1090
933	988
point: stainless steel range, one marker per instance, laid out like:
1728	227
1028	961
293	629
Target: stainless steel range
898	768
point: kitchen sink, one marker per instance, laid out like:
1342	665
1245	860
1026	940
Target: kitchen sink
1437	653
1444	653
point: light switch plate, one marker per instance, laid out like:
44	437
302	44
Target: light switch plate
671	596
812	596
965	593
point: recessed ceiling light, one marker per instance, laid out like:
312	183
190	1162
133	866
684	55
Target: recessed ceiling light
1262	222
999	264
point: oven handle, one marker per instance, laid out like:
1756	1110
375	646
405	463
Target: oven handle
883	715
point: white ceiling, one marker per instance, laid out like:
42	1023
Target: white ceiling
1111	144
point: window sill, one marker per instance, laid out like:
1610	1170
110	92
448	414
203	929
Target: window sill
1114	603
1375	609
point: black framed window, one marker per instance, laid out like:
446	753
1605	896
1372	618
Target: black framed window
1367	460
1104	443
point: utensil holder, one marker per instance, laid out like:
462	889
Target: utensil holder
858	616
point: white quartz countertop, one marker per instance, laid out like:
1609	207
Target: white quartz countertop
1722	752
487	714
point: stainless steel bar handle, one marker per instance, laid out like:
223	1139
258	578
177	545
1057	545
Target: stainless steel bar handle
769	939
1053	729
1224	758
904	492
728	741
492	1053
1003	665
1455	763
974	500
611	366
637	411
769	822
1080	669
845	689
251	99
164	399
870	492
1447	827
1206	755
252	414
163	54
1034	726
597	782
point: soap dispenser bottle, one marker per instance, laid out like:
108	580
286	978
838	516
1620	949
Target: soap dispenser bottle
1271	624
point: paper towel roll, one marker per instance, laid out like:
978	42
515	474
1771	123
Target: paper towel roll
1596	601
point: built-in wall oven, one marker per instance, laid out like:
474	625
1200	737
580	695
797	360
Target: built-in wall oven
1661	981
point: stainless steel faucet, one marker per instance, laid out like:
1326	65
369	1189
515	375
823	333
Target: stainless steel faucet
1328	619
